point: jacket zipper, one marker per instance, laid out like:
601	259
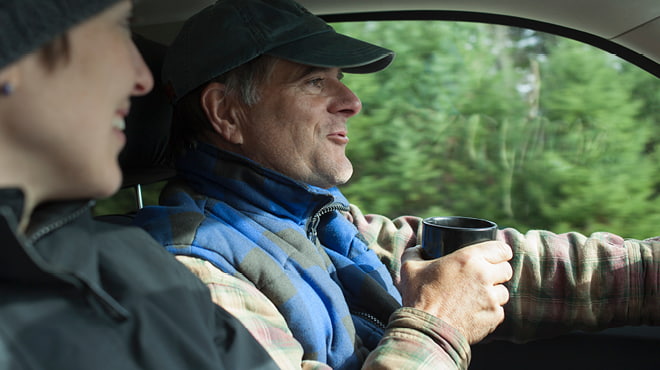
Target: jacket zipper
371	318
312	233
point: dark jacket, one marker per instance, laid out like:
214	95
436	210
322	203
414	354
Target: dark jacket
76	293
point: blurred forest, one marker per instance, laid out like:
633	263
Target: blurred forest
526	129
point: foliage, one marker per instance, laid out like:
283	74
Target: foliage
552	134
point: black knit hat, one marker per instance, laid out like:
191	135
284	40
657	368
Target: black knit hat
230	33
26	25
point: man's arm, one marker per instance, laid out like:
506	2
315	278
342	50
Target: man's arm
413	339
561	282
417	340
565	282
464	289
254	311
388	238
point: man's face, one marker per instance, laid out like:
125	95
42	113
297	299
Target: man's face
298	128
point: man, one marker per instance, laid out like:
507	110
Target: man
259	137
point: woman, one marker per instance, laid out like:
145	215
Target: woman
76	293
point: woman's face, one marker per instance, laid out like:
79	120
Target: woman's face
64	124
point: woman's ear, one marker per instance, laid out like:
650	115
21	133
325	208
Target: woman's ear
217	107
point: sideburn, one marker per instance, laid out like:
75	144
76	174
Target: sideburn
56	52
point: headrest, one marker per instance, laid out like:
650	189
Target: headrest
143	159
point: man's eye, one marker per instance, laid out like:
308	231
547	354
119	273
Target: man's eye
317	82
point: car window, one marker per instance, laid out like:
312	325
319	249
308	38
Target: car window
126	200
522	127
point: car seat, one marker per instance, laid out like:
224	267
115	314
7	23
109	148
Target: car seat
143	160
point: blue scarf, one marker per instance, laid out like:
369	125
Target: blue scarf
259	225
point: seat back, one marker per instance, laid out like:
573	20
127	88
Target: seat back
143	160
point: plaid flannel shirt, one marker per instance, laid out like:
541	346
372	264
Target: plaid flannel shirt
561	282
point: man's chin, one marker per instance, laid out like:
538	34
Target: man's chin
339	178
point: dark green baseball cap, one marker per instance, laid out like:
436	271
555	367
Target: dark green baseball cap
230	33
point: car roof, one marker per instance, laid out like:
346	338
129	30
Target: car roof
630	29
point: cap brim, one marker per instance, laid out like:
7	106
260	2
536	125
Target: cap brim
334	50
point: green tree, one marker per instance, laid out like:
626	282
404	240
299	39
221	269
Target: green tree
467	122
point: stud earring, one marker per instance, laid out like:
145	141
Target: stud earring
6	89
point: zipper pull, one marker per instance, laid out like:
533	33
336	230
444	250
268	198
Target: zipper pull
311	232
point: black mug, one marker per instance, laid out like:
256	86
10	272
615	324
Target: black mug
443	235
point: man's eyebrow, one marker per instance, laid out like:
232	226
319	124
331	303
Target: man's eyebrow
308	70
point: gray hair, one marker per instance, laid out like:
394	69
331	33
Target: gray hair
190	124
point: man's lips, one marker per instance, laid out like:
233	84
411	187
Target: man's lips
339	137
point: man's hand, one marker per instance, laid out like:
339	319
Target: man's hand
463	288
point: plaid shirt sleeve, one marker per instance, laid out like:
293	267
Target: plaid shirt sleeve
561	282
565	282
413	340
417	340
258	314
388	238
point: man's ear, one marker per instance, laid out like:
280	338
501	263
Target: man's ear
217	107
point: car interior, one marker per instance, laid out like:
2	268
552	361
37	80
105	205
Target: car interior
630	30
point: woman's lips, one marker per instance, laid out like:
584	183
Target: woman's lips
119	123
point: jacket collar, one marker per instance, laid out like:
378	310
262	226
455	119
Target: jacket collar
12	202
217	173
21	260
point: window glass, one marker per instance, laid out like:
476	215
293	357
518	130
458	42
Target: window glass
524	128
126	200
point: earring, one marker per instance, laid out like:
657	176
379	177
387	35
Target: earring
6	89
